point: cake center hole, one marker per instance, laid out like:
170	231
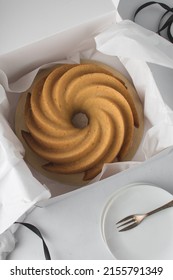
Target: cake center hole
80	120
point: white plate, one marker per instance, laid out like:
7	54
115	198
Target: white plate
153	238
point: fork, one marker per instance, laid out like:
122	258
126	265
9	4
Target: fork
132	221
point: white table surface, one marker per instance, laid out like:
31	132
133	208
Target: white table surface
74	215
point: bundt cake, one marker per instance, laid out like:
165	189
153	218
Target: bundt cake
102	97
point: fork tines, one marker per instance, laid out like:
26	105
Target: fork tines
130	220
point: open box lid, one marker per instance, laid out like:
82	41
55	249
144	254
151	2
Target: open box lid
22	29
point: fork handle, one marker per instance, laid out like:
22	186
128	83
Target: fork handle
167	205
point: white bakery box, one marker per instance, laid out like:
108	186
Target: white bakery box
78	221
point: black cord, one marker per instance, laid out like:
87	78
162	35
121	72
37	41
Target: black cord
37	232
167	24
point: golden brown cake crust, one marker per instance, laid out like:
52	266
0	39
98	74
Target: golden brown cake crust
105	96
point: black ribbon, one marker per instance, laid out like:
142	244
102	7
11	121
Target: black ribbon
37	232
168	23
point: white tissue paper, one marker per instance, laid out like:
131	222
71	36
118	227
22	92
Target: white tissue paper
7	244
123	45
19	190
8	241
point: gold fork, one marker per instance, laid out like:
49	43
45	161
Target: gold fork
132	221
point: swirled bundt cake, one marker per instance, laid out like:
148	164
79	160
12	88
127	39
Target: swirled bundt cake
105	100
